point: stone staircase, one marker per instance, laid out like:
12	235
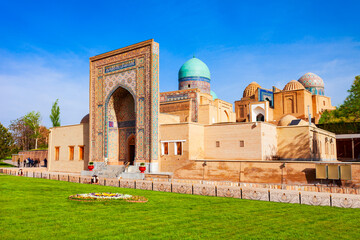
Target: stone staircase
103	170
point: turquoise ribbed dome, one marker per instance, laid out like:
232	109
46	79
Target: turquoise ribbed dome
194	68
213	94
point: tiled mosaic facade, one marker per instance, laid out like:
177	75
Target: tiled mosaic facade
113	119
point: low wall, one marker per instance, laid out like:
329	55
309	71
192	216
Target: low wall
270	172
36	154
274	195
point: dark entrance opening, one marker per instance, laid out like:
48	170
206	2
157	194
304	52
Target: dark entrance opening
131	154
260	117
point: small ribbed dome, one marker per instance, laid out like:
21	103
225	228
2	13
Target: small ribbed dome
213	94
293	85
194	68
286	120
251	89
85	119
311	80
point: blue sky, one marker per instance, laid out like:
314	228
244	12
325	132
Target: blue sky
45	46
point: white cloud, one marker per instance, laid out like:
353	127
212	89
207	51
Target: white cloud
32	82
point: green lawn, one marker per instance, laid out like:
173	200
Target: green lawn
39	209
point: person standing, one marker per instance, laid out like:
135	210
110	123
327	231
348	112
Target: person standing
18	162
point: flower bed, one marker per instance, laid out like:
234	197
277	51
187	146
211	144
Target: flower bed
107	197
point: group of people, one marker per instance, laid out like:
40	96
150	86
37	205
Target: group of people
28	162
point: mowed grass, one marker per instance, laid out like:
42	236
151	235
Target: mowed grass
39	209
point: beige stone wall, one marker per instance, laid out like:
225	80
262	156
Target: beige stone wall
325	142
63	137
171	133
294	142
229	137
297	142
320	104
192	137
301	99
165	118
179	108
268	141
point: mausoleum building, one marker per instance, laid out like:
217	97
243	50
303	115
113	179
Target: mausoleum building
130	122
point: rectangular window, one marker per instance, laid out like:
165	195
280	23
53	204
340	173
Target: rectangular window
165	148
57	151
178	148
217	143
242	144
71	152
81	152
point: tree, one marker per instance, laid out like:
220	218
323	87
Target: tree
55	114
21	134
6	142
32	120
349	111
351	106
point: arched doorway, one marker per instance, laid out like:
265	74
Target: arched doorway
121	125
260	118
130	155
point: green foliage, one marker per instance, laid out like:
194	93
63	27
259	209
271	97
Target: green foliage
55	114
6	142
349	111
32	120
22	134
31	202
351	105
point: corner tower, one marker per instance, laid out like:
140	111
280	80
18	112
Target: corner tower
194	74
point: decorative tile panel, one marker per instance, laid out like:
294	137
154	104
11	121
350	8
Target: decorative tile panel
145	185
162	186
255	194
204	189
315	198
284	196
184	188
126	183
345	201
228	191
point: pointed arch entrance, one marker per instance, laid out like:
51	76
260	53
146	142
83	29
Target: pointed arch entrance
121	127
134	68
